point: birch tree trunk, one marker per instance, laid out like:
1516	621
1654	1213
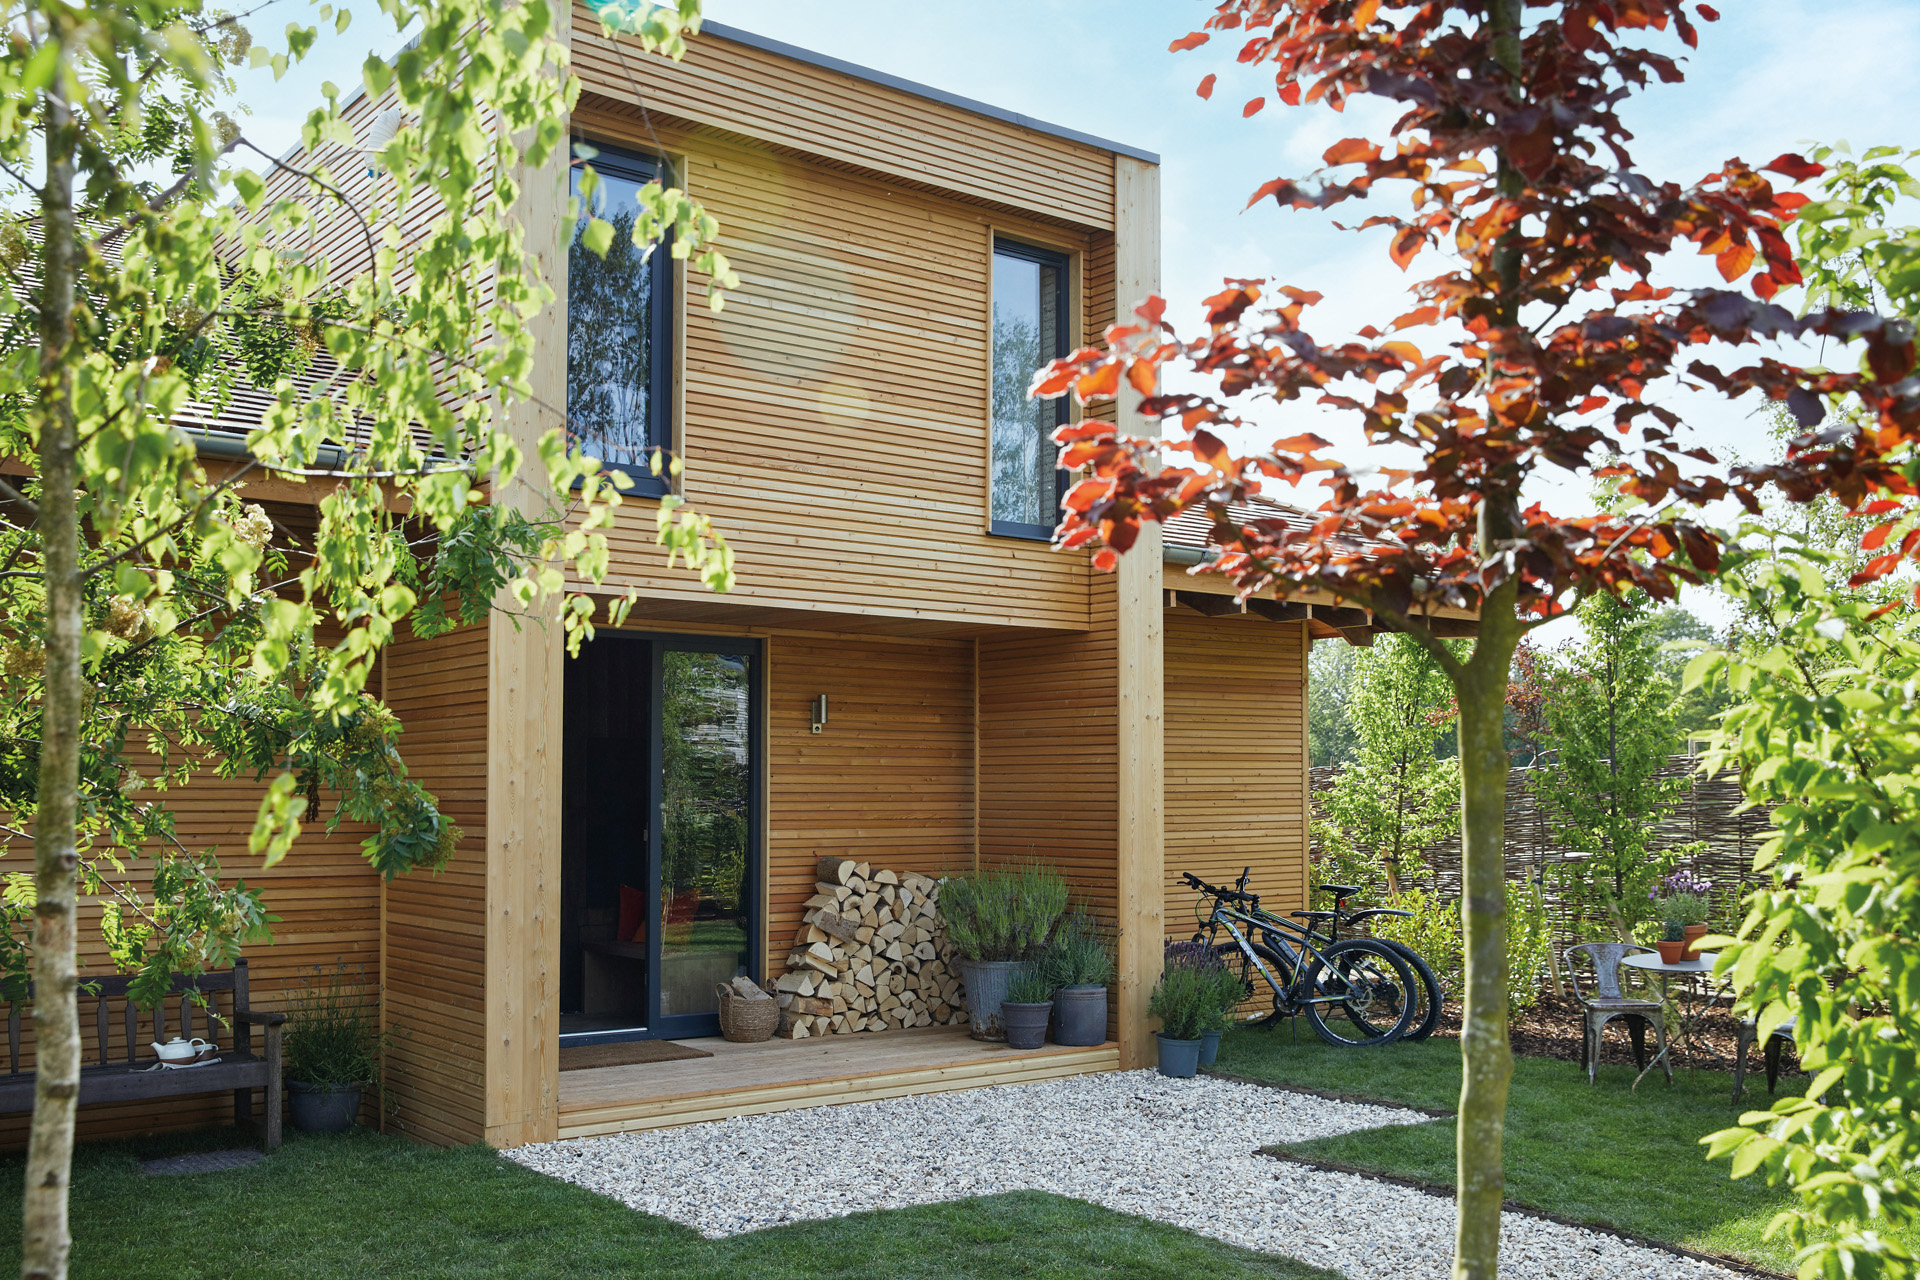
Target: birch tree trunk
1486	1057
56	1019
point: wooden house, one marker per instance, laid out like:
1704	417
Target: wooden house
905	674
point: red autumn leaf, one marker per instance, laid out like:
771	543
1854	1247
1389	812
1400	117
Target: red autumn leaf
1290	93
1799	168
1105	561
1210	449
1059	377
1304	443
1880	507
1140	375
1591	403
1206	86
1103	381
1405	245
1788	201
1875	537
1363	13
1351	151
1406	351
1875	569
1733	261
1281	189
1708	12
1765	285
1192	40
1253	106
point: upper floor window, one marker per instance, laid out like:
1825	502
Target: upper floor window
1029	329
620	331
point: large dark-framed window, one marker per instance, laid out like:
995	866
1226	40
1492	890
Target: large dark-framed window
1030	328
620	330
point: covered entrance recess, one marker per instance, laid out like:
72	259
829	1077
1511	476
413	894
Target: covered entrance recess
660	859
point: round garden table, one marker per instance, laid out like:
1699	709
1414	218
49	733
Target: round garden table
1699	994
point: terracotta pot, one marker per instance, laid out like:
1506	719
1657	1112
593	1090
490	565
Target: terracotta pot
1671	952
1695	932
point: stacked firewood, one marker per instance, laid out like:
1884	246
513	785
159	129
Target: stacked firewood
871	955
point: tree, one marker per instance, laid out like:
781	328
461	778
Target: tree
1528	692
1829	940
1610	735
151	591
1397	796
1330	736
1553	337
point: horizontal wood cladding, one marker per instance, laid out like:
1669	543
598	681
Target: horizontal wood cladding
1049	751
890	779
436	923
835	413
1236	729
852	121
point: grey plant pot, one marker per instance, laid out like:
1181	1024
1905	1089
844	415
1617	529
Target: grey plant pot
1209	1047
987	982
323	1108
1179	1059
1026	1024
1080	1016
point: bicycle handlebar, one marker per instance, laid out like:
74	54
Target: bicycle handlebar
1215	891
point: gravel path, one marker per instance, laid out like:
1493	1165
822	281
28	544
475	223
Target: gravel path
1130	1141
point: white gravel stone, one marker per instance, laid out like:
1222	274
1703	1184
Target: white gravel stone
1180	1151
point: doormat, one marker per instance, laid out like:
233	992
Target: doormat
200	1162
624	1053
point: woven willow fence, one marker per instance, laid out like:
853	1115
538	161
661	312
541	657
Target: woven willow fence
1705	813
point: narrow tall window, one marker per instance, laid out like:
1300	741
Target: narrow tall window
1029	329
619	332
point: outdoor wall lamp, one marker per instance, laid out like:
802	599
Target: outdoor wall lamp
819	712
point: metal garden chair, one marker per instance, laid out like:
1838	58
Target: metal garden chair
1749	1031
1609	1001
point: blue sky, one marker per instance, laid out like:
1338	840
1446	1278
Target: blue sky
1769	77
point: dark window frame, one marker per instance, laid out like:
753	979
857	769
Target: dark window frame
1063	409
662	425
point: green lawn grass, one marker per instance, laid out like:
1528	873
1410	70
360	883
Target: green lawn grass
360	1206
1605	1154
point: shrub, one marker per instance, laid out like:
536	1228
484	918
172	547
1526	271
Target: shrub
1183	1000
1003	913
1433	931
1035	986
333	1034
1082	953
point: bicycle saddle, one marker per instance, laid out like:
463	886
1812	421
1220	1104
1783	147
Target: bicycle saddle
1340	890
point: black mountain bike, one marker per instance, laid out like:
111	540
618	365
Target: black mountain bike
1432	995
1354	992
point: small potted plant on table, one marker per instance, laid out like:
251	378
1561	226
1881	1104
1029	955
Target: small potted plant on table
333	1048
1082	968
1683	913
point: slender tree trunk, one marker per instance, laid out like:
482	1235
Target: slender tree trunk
1486	1057
55	1011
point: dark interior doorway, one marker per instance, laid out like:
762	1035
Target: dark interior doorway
660	858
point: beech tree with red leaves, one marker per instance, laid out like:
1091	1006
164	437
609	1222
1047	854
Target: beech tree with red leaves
1549	334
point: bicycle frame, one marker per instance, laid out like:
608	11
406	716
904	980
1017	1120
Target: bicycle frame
1290	994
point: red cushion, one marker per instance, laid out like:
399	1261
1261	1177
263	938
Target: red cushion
633	915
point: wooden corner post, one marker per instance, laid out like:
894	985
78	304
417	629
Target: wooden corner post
524	659
1141	852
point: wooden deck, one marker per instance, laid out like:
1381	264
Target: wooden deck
786	1075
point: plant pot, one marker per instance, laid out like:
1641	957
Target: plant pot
1080	1016
322	1108
1670	952
1209	1047
1026	1024
987	982
1179	1059
1695	932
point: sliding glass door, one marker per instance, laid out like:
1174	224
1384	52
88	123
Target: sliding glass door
660	858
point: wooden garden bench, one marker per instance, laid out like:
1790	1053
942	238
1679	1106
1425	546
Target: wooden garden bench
132	1073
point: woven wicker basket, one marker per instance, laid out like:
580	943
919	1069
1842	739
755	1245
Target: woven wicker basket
745	1021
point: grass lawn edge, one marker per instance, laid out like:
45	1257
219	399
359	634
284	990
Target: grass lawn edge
1359	1099
1514	1206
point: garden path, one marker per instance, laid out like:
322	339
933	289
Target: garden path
1180	1151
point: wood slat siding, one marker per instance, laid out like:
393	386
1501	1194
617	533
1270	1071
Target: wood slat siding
1048	751
851	121
1235	759
835	422
889	781
436	924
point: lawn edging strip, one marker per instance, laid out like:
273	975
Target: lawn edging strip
1438	1113
1511	1206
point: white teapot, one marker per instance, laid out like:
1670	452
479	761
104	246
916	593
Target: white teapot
179	1051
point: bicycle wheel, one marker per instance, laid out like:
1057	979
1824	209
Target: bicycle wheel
1432	998
1369	986
1256	986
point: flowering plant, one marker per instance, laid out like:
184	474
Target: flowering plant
1684	900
